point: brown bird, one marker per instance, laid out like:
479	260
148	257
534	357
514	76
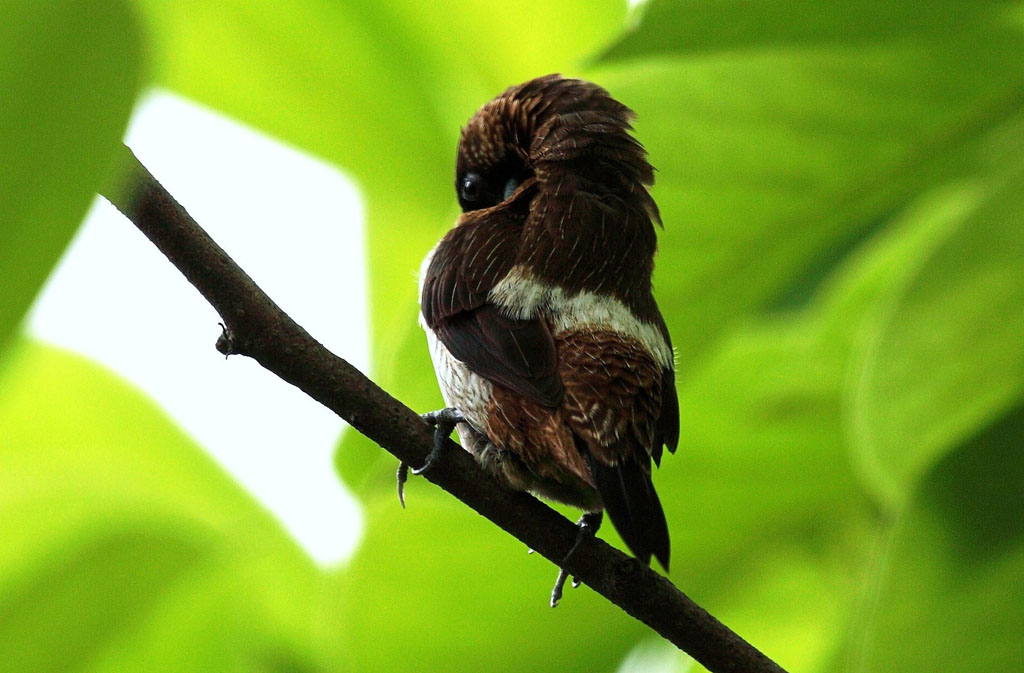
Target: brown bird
551	353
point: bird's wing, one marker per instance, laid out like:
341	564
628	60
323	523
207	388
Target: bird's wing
666	430
518	354
617	410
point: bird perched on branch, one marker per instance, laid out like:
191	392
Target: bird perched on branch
551	353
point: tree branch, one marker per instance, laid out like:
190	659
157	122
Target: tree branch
256	327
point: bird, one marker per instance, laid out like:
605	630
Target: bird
552	356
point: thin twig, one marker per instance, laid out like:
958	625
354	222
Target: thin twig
256	327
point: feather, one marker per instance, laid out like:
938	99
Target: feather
633	506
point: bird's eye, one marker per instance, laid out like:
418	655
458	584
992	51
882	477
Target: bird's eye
471	187
510	188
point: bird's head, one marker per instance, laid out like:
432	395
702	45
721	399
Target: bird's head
565	137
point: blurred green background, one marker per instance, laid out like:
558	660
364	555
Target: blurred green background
842	268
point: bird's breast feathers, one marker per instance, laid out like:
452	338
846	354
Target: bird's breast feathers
521	295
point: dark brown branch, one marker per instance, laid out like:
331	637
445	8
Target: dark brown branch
256	327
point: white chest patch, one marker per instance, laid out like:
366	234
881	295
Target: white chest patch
523	296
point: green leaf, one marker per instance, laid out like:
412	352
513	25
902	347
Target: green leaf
124	547
54	602
63	416
946	591
765	512
437	587
768	513
944	355
694	26
69	72
253	607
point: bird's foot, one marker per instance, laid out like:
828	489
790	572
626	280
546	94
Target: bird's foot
444	421
587	526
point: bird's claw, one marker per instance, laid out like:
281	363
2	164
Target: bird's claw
587	526
402	476
444	421
556	592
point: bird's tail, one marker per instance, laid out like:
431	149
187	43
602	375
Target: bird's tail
634	508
